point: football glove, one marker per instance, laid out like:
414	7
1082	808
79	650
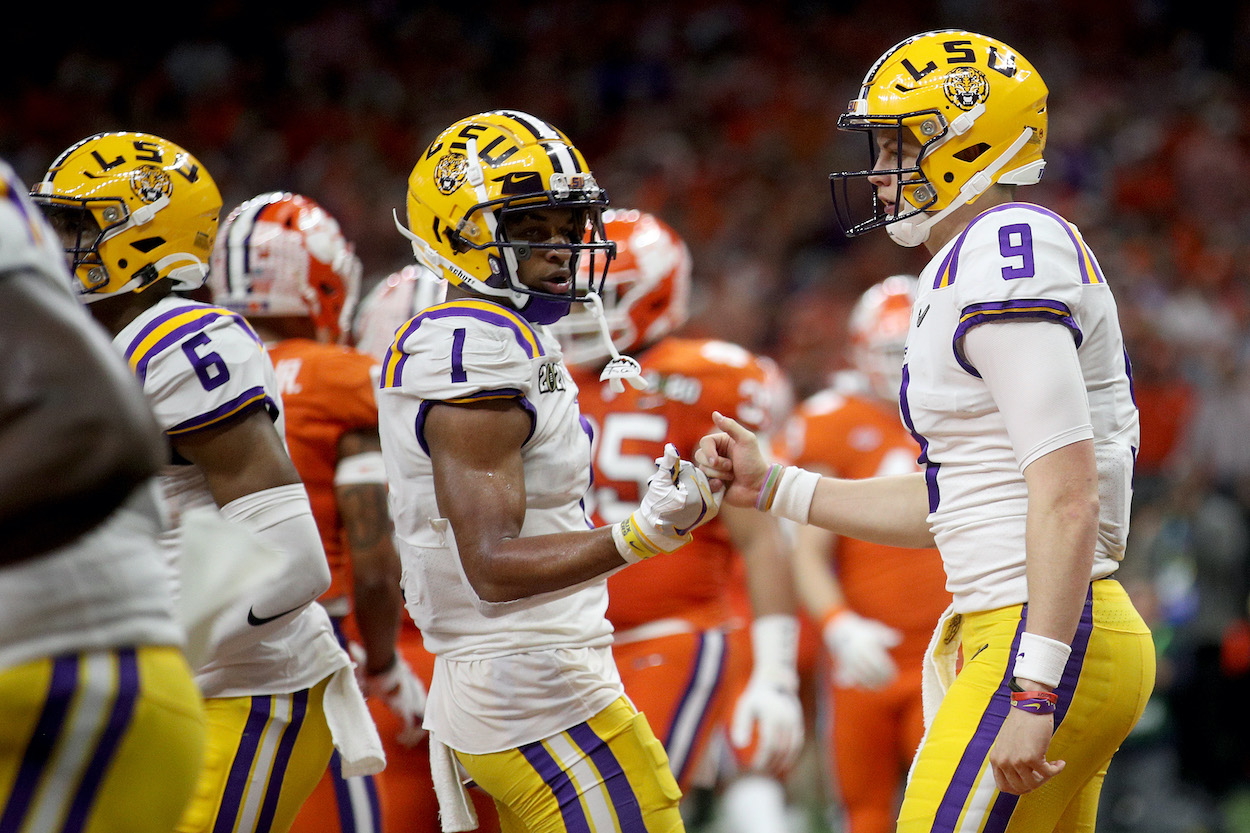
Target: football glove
678	500
767	723
861	650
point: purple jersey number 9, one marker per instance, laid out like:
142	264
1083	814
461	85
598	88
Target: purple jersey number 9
1016	241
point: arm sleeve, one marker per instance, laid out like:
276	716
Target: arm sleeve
1033	373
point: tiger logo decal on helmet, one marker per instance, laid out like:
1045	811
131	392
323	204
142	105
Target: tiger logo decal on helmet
477	173
972	105
131	209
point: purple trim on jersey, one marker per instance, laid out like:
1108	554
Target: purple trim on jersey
282	759
680	760
236	781
395	356
526	338
207	316
423	411
1128	370
624	800
561	786
1081	251
1012	310
237	404
930	468
1000	702
61	690
118	721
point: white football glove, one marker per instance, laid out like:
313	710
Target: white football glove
678	500
769	707
861	650
404	694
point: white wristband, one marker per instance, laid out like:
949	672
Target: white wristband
787	493
364	468
1041	658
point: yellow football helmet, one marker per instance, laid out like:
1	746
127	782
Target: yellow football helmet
978	111
472	177
137	207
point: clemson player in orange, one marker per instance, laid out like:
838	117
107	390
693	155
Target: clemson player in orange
407	783
283	263
878	605
685	660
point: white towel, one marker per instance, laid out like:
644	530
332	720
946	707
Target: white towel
939	663
455	810
351	726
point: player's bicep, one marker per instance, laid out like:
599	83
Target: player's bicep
479	477
239	456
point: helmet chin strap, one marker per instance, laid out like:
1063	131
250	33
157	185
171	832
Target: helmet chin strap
912	232
620	367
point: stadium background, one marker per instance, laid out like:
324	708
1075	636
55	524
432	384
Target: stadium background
720	117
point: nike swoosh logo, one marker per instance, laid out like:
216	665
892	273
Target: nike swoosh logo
979	650
253	619
920	317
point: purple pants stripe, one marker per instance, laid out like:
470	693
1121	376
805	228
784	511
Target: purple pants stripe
47	730
236	781
118	721
680	759
282	758
560	784
628	809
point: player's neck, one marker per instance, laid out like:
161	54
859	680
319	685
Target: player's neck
115	313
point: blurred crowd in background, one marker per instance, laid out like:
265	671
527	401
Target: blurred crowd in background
720	117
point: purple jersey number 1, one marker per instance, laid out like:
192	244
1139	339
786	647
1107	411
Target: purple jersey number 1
1017	241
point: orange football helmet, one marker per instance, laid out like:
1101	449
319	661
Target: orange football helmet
392	303
282	254
878	327
646	294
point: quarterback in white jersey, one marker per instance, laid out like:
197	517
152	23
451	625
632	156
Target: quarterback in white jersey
1017	386
488	459
137	216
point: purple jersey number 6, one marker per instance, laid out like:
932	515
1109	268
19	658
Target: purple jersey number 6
1017	241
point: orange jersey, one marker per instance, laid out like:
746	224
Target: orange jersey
688	379
327	392
854	437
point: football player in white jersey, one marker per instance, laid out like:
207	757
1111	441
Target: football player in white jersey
101	715
137	216
1017	387
488	459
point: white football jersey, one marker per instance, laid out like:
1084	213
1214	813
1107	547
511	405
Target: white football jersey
468	350
1013	261
200	365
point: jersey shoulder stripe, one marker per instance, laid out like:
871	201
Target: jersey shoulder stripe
226	410
1091	272
487	312
171	327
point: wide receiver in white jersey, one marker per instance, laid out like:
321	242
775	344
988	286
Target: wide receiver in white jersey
1016	385
488	459
137	216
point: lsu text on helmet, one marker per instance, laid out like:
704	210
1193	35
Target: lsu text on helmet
976	108
878	328
131	209
391	303
477	173
281	254
646	295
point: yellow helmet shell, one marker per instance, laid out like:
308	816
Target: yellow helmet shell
156	207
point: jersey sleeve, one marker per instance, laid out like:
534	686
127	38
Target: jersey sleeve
463	351
200	366
1018	262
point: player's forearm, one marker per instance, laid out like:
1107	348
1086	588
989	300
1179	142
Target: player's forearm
884	510
770	572
378	604
516	568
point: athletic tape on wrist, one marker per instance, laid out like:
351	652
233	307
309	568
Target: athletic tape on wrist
631	543
1040	658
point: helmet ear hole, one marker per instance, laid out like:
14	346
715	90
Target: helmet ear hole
147	244
971	153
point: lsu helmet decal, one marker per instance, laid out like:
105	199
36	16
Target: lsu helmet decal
474	175
975	107
131	209
646	295
283	254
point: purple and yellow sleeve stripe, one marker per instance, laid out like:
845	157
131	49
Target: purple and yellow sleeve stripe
171	327
238	404
1091	272
491	313
1022	308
